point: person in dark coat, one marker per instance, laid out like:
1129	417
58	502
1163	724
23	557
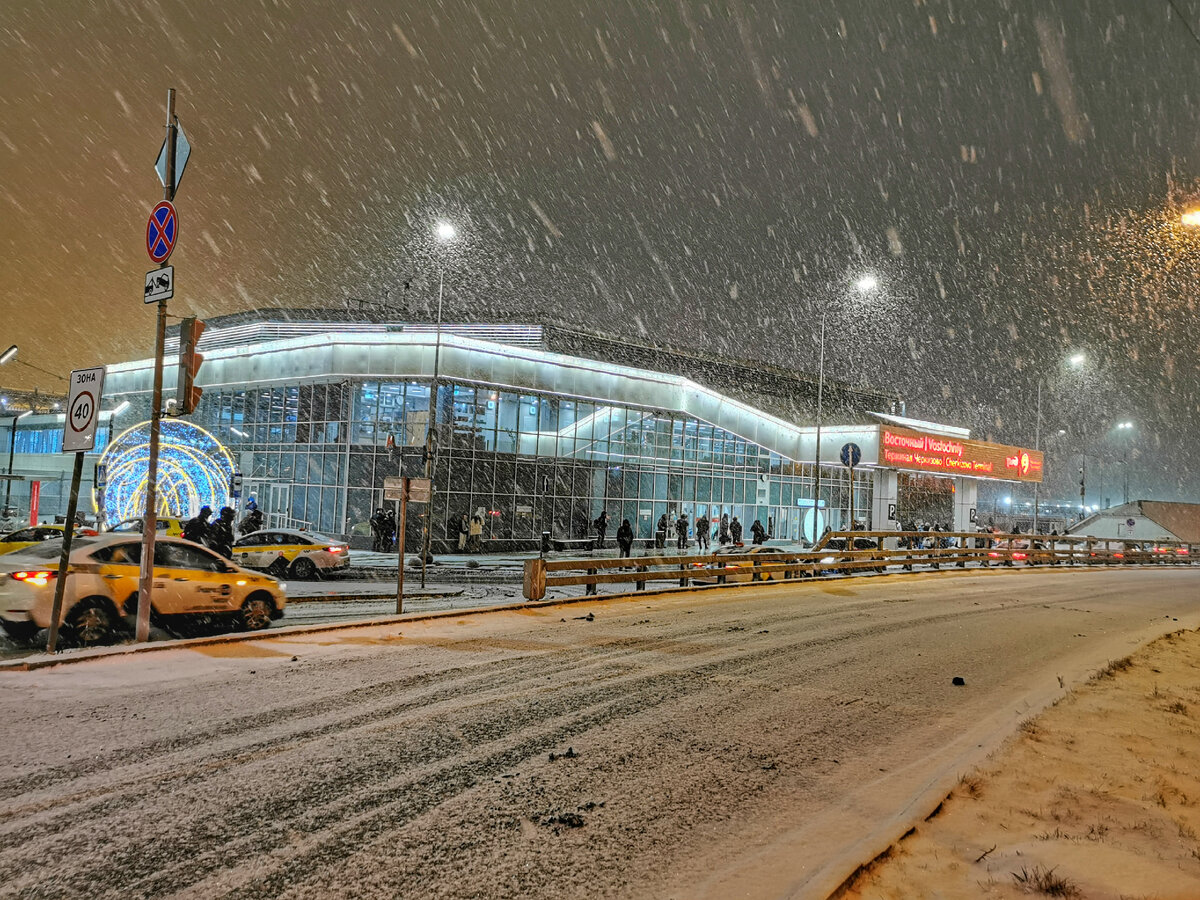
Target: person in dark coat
252	522
377	524
389	530
220	533
625	538
601	526
196	528
759	533
702	526
681	531
723	536
735	530
660	532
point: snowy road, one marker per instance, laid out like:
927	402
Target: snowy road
747	742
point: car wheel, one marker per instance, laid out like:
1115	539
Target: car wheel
91	622
304	569
256	612
21	632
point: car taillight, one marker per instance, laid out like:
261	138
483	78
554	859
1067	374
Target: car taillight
1182	551
37	579
1119	555
1019	556
336	549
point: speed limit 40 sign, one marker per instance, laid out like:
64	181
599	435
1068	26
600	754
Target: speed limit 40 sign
83	410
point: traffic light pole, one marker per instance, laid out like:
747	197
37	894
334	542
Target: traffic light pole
150	521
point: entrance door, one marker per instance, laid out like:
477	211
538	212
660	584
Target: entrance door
278	512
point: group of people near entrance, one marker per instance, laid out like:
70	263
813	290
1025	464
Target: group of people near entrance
218	534
725	530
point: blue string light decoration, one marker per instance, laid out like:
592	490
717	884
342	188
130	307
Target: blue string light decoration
194	470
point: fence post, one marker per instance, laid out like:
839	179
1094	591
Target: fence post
590	588
683	582
641	585
535	579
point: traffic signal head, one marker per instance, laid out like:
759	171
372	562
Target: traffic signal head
188	395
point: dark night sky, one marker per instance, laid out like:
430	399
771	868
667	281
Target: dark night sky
708	174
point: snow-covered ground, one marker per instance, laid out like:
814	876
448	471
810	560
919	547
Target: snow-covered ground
740	741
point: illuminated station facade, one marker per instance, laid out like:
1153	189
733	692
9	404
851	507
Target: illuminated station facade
537	429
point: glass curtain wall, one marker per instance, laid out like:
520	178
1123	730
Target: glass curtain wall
316	456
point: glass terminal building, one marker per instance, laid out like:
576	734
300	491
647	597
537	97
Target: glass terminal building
537	429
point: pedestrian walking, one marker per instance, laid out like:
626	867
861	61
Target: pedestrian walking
196	528
220	533
601	526
735	530
702	526
377	523
464	532
252	522
681	531
625	538
660	532
475	535
389	530
759	533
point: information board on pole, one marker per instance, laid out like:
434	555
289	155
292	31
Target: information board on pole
83	410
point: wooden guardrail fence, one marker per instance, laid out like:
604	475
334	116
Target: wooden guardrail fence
837	553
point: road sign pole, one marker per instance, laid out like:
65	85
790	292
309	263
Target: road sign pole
69	532
851	467
403	502
150	521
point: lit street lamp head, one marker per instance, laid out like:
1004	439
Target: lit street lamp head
8	354
867	283
445	231
1191	218
1078	359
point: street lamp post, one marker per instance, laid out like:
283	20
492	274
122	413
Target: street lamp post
445	233
1126	427
12	449
1076	360
865	285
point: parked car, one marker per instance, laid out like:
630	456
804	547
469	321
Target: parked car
302	555
166	525
737	570
101	592
36	534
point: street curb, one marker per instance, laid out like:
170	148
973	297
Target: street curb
360	598
29	664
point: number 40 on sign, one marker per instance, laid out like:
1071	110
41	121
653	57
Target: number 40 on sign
83	410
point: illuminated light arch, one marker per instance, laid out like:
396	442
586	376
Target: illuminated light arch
194	470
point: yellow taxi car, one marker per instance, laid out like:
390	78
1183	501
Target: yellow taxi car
34	535
168	525
101	592
302	555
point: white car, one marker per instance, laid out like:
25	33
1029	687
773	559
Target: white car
190	582
302	555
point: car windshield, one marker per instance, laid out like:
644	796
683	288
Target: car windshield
51	549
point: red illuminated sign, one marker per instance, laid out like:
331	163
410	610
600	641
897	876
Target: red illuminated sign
905	449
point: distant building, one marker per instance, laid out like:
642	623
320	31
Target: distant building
538	428
1147	520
